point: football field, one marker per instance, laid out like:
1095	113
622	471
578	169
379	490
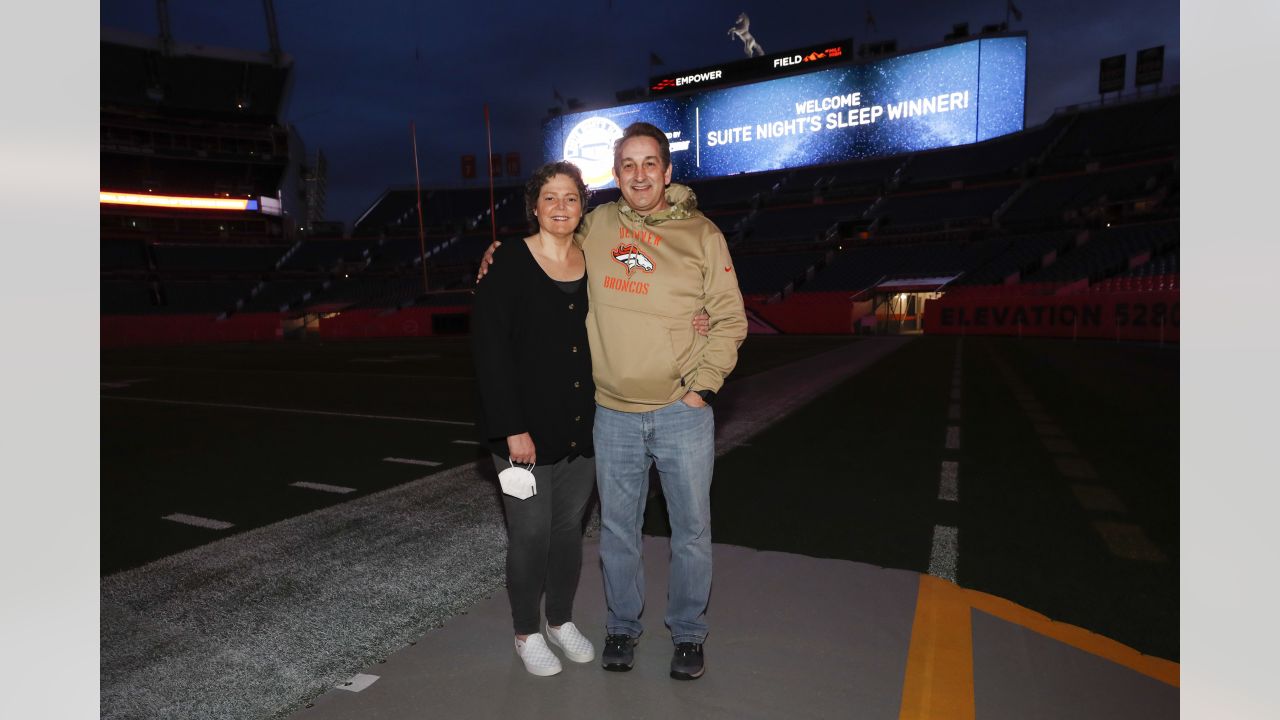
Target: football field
1042	471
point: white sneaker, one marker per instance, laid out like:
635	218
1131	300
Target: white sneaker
538	658
576	647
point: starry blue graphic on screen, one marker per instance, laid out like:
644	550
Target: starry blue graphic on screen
945	96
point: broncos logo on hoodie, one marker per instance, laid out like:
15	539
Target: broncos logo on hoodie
631	256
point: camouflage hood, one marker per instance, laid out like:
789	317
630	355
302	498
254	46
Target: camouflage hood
684	205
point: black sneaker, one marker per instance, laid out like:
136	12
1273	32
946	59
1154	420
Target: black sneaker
619	653
686	663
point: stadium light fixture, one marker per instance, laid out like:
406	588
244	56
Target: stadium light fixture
106	197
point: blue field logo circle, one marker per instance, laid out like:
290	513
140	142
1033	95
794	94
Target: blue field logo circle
589	145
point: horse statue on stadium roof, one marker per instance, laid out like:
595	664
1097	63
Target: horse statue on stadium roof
741	31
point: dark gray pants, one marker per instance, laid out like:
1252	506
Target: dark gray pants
544	541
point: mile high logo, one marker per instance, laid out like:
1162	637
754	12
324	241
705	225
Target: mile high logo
632	258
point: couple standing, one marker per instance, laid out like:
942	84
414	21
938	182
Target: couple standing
625	287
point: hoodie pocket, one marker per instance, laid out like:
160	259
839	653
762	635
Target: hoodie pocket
631	356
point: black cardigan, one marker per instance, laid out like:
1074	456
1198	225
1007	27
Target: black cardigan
533	366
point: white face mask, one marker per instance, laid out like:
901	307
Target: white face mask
518	482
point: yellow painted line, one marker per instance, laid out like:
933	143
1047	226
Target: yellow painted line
939	675
939	679
1165	671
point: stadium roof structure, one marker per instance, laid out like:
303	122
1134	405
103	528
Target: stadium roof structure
137	72
906	285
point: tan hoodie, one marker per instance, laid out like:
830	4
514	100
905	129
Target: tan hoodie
648	277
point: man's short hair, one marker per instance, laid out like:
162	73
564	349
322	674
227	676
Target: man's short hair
642	129
542	176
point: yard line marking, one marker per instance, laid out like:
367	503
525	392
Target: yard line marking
1098	498
955	393
953	437
1059	446
198	521
945	552
948	482
411	461
357	682
1128	541
122	384
466	442
953	412
1076	468
323	487
286	410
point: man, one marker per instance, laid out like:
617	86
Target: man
653	260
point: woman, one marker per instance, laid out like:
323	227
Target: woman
533	370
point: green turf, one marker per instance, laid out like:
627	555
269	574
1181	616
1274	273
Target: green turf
237	464
855	475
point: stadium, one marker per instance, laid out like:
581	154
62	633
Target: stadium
947	467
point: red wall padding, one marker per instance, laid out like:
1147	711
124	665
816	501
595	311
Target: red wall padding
128	330
410	322
1112	315
812	313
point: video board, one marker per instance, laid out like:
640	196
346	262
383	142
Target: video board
944	96
791	62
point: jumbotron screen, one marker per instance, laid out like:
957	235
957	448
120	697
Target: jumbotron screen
945	96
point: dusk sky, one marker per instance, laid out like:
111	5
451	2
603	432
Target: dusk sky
361	75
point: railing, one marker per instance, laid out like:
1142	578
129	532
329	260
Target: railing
1135	96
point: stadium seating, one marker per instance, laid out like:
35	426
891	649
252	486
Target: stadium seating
993	159
770	273
217	258
1074	203
1108	251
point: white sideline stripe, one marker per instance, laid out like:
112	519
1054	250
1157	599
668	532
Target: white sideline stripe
357	682
945	553
953	412
323	487
411	461
948	481
465	442
198	521
953	437
286	410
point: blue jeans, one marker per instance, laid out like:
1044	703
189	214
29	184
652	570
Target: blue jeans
680	441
